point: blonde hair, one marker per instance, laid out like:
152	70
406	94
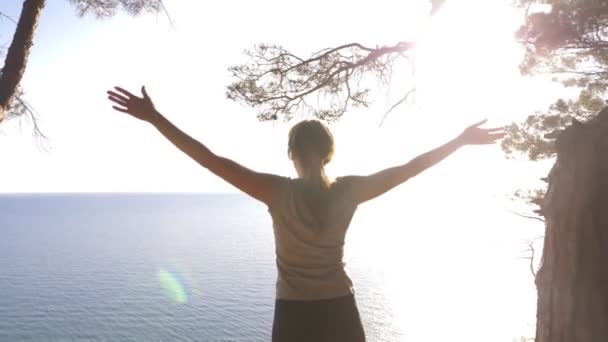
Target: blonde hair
312	144
308	140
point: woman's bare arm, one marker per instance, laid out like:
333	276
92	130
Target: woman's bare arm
366	188
257	185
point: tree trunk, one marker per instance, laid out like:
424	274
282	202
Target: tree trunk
572	281
18	52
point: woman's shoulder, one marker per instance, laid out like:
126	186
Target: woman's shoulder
344	184
350	183
346	180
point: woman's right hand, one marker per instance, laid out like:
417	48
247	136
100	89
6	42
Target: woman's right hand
138	107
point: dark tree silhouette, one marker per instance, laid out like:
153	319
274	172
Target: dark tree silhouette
17	55
572	281
569	39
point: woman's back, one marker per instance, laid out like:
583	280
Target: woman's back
309	239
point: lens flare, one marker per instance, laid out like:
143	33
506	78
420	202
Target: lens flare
173	286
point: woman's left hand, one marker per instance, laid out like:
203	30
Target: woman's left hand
475	135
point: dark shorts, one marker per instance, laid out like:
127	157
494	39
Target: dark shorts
335	320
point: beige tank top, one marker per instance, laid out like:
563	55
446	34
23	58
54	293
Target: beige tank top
308	256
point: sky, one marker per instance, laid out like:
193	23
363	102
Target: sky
466	70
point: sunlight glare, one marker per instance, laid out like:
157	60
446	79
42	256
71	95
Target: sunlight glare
468	59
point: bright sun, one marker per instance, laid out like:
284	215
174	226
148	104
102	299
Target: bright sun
468	56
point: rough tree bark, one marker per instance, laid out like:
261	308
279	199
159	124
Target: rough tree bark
18	52
572	281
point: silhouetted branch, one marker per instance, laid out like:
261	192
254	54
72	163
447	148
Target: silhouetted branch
531	256
277	82
8	17
532	252
162	6
538	218
30	113
108	8
20	109
405	97
524	339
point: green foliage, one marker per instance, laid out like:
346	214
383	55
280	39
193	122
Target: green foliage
535	136
570	37
570	41
532	198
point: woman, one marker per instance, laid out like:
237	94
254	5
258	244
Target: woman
310	214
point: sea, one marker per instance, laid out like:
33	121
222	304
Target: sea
201	267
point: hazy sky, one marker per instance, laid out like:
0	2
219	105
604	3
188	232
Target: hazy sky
466	69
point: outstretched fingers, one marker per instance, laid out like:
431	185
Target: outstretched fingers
118	96
118	100
479	123
120	109
144	92
122	99
495	129
124	92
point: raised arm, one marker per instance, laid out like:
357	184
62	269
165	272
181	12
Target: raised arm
366	188
258	185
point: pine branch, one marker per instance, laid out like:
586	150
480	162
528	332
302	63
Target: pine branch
277	82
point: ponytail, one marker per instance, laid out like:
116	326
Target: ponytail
312	144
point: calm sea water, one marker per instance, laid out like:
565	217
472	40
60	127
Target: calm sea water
200	267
